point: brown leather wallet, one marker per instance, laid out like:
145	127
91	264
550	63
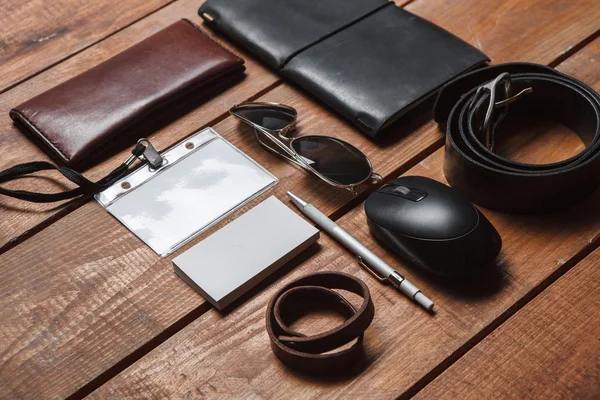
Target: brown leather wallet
111	102
312	354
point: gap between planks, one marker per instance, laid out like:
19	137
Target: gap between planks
147	347
495	324
73	205
440	368
197	312
567	54
74	53
67	208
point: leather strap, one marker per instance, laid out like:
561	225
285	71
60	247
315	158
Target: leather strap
305	353
498	183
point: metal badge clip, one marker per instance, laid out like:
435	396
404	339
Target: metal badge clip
150	155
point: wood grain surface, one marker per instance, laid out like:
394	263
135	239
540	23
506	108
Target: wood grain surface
403	344
548	350
19	218
82	299
113	270
517	30
37	34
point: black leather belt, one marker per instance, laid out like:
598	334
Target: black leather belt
312	354
472	107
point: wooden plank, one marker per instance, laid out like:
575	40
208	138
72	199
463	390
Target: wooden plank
548	350
589	55
229	355
38	34
516	30
106	299
85	312
17	217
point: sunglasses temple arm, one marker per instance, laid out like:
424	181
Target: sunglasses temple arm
292	157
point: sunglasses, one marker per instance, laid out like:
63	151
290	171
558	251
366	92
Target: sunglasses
334	161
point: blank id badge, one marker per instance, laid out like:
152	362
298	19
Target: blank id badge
201	180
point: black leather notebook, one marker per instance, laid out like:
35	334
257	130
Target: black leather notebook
368	59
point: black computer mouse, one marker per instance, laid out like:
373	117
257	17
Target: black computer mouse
433	226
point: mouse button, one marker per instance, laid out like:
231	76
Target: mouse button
386	209
409	193
443	214
404	191
437	219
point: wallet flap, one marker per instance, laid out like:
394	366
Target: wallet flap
276	30
104	105
380	67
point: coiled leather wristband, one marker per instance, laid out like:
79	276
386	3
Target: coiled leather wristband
306	353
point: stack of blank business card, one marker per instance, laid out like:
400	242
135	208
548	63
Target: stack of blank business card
236	258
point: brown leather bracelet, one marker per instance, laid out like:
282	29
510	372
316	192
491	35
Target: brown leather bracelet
312	292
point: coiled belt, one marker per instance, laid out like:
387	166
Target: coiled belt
310	293
472	107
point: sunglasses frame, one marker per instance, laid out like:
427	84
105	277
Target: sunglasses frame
278	137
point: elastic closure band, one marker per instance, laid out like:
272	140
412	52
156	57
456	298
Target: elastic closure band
330	34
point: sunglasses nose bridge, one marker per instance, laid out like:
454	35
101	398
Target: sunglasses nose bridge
334	161
285	133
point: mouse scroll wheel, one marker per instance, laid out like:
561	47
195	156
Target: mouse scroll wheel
408	193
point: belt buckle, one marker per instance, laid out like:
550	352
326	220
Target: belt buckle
491	87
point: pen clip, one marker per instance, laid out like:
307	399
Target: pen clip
361	262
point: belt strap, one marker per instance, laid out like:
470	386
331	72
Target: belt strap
314	292
471	115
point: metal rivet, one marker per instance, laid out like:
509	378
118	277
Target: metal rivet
189	145
126	185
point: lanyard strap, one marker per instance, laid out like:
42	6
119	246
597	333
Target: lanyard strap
85	186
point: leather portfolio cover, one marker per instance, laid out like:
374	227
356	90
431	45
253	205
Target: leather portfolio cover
368	59
112	102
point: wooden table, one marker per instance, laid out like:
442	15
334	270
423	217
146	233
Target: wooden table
87	309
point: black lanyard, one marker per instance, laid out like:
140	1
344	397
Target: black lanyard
143	151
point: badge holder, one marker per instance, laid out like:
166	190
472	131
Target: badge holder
183	191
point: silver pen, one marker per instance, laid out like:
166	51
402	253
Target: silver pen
375	265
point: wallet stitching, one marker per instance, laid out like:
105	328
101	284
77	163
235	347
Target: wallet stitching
332	33
213	40
43	134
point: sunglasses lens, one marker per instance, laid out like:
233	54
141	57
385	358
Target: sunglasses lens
337	160
269	117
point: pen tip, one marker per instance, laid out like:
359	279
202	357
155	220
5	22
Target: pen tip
296	200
